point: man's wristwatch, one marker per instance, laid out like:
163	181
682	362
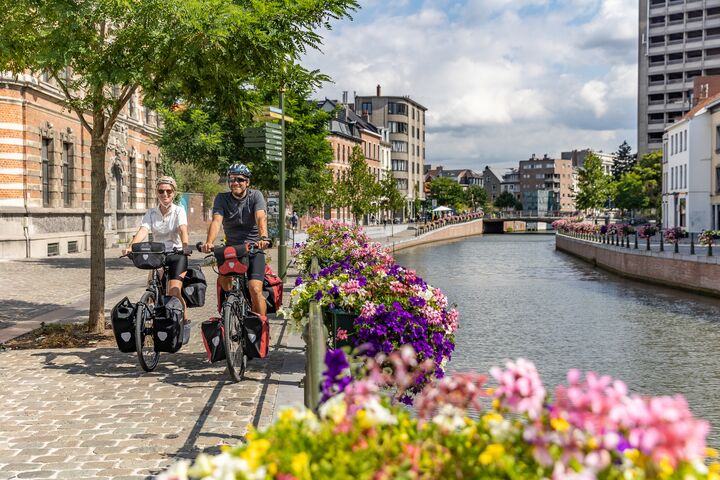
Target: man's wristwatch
268	240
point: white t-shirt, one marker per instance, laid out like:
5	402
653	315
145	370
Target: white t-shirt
166	228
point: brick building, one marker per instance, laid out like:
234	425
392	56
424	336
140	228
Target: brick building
45	171
547	184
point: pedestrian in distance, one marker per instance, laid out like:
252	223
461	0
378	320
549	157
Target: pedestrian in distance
168	224
242	213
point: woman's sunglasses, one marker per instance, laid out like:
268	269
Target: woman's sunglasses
165	192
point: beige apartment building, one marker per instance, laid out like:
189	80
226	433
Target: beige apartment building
714	167
547	184
405	120
45	171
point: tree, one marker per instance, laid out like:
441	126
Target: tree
629	192
446	191
592	185
313	191
359	189
476	196
649	169
623	162
507	200
162	48
390	197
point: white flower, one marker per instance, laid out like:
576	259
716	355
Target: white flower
177	471
376	414
450	418
334	409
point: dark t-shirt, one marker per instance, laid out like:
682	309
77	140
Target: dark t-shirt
239	215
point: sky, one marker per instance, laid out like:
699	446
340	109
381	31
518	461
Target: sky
502	79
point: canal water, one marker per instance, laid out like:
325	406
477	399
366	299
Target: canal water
519	297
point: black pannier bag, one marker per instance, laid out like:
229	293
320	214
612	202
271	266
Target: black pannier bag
194	287
212	335
257	334
168	326
148	255
123	325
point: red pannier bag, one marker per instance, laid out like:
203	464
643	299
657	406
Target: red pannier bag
232	260
257	334
272	290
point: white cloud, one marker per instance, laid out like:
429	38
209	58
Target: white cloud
502	79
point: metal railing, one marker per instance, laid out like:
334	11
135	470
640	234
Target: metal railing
423	228
685	246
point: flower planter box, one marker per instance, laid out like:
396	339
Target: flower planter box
337	319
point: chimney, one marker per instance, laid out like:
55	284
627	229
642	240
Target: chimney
344	97
378	90
545	157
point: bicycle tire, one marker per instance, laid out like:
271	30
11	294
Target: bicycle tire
234	341
148	357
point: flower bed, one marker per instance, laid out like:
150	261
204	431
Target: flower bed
647	231
393	305
592	428
708	237
673	235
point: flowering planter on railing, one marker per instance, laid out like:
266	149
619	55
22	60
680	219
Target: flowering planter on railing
341	326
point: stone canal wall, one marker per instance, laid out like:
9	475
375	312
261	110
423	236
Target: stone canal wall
696	273
451	232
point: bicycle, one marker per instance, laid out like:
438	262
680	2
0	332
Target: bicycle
232	261
150	256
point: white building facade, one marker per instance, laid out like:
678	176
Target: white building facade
686	172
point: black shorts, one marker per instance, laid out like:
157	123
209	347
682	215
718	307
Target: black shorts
177	265
256	269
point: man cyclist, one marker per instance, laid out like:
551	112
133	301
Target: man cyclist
168	224
242	214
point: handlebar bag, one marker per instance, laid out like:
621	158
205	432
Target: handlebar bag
148	255
168	325
233	260
257	335
123	325
194	287
212	335
272	290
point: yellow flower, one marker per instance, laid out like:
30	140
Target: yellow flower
592	443
559	424
301	465
496	404
272	469
254	452
490	391
711	452
714	468
632	454
492	452
492	417
666	468
287	415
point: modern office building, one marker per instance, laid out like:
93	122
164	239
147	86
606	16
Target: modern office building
405	119
679	40
547	184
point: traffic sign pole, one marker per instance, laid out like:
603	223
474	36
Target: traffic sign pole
282	251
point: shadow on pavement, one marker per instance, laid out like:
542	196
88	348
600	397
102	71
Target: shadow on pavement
80	263
13	311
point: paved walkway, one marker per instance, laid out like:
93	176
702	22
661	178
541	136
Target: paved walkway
92	413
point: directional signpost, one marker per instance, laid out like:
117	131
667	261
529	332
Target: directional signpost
270	137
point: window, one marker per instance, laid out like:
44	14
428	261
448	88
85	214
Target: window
337	157
73	246
366	107
67	172
132	108
717	179
686	143
53	249
149	190
132	164
412	131
717	139
398	127
400	165
395	108
399	146
45	171
402	183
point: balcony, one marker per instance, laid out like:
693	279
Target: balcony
656	107
657	87
712	21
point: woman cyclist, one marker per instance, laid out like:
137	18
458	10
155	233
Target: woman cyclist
168	224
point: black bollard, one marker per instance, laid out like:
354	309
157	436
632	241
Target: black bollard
647	245
662	245
710	250
676	249
636	241
692	244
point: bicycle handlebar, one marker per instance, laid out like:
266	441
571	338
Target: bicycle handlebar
174	251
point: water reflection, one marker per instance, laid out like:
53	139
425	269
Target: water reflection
518	297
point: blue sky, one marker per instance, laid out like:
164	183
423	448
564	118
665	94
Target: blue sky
502	79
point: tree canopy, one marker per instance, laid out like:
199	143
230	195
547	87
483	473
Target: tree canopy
623	162
446	192
101	53
593	184
507	200
359	190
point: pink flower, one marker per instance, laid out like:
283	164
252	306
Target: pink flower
368	310
397	287
520	389
351	286
341	334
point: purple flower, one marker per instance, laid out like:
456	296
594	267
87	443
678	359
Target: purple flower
417	301
298	280
318	295
336	375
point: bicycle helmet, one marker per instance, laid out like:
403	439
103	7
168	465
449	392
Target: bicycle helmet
167	181
239	169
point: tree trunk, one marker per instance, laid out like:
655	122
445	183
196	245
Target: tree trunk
96	322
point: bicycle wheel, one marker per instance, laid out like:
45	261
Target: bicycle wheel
147	356
234	341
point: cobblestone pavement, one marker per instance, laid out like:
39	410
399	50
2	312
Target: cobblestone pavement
92	413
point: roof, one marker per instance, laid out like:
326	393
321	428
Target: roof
705	103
